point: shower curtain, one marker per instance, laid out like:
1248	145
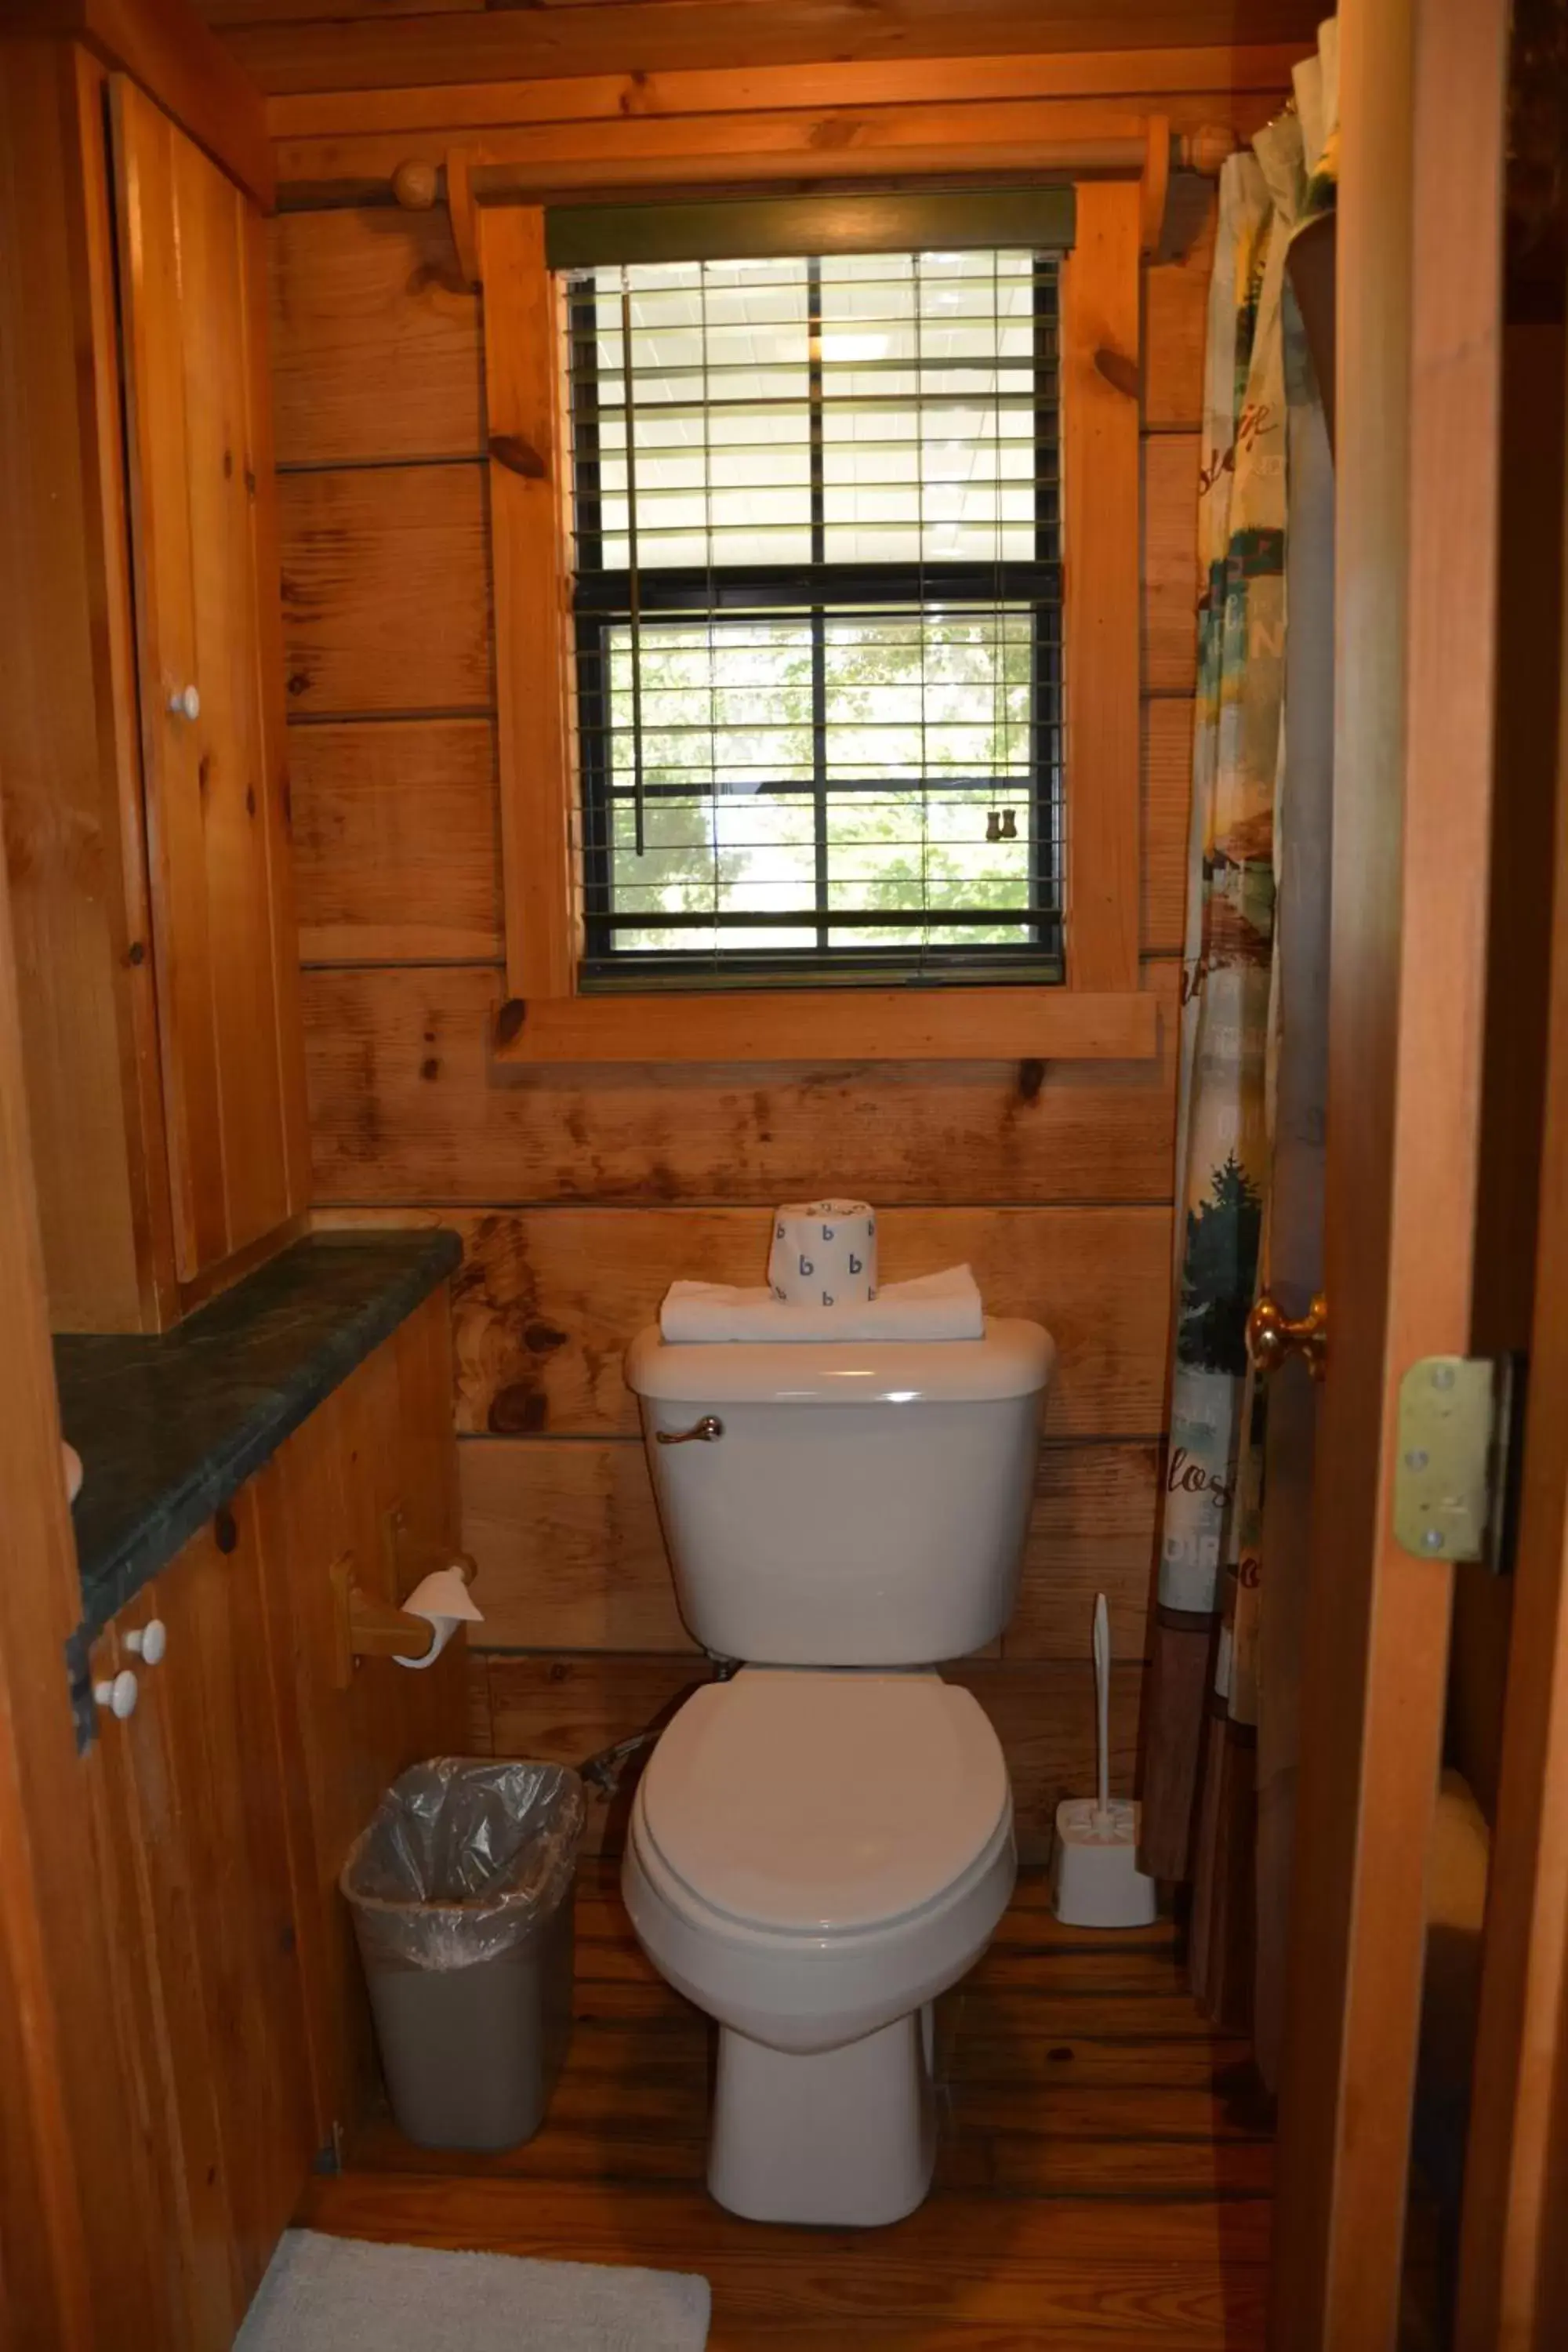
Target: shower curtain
1219	1778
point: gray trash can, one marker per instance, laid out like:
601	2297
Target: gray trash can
460	1887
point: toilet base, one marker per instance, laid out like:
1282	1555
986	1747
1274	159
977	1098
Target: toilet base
841	2138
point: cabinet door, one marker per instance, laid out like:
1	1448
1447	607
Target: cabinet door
179	2209
381	1447
207	614
205	1820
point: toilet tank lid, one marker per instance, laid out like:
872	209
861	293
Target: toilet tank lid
1013	1359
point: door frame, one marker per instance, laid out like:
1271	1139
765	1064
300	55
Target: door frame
1513	2274
1423	89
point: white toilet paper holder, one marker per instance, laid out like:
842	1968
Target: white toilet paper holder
369	1627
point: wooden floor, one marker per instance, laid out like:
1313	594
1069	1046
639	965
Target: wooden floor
1103	2182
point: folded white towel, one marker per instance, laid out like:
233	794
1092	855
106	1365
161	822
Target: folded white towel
944	1306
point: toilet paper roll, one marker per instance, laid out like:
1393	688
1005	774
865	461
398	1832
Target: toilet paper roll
824	1254
443	1599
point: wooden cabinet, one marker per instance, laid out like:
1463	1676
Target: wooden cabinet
195	1798
223	1807
378	1458
141	735
210	671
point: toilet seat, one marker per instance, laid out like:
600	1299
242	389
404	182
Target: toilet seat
815	1803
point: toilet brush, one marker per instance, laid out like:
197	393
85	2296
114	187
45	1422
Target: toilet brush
1097	1881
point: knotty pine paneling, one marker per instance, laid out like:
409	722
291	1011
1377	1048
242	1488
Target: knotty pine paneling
548	1299
377	344
571	1555
1091	1530
391	50
406	1106
568	1545
579	1195
386	595
1176	317
1170	561
396	840
322	168
1167	805
565	1709
376	338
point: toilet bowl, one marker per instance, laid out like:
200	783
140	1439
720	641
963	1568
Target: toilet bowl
823	1842
813	1857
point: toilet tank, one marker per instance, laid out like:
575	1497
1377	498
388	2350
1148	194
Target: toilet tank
858	1506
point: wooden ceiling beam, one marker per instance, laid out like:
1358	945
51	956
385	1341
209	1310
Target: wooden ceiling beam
473	45
1132	75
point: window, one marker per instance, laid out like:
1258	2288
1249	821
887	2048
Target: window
816	596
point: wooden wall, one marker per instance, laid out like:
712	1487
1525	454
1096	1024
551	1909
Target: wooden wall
307	46
580	1194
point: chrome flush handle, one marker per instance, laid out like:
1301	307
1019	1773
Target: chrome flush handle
704	1432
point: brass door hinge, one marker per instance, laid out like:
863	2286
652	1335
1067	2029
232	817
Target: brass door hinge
1456	1471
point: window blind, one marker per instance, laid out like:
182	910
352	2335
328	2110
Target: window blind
817	602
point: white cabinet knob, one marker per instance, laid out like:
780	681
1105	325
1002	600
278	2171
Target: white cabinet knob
185	705
148	1642
120	1696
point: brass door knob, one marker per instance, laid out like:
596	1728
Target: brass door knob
1272	1336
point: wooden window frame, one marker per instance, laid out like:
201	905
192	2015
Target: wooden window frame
1099	1011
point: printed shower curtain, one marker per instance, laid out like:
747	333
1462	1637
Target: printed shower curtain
1260	779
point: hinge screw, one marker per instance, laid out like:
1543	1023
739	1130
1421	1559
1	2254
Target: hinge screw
1433	1538
1442	1376
1416	1458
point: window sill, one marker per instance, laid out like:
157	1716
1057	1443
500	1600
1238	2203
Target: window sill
859	1025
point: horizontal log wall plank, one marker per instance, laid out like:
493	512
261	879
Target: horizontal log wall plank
386	602
1091	1530
565	1709
568	1545
547	1300
1170	562
1043	1714
386	584
1167	802
571	1555
1175	320
396	836
396	840
375	339
406	1107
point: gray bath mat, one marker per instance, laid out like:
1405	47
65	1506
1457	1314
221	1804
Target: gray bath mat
342	2294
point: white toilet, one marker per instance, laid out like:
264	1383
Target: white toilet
824	1842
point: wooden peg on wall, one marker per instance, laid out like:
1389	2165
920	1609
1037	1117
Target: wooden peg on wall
1155	184
416	183
460	162
1203	150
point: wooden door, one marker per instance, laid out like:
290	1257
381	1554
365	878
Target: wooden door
200	1788
1513	2267
207	599
1418	383
77	2230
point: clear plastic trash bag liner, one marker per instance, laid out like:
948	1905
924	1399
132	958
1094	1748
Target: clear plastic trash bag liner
463	1861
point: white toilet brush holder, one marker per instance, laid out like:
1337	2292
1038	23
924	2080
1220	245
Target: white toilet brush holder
1097	1881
